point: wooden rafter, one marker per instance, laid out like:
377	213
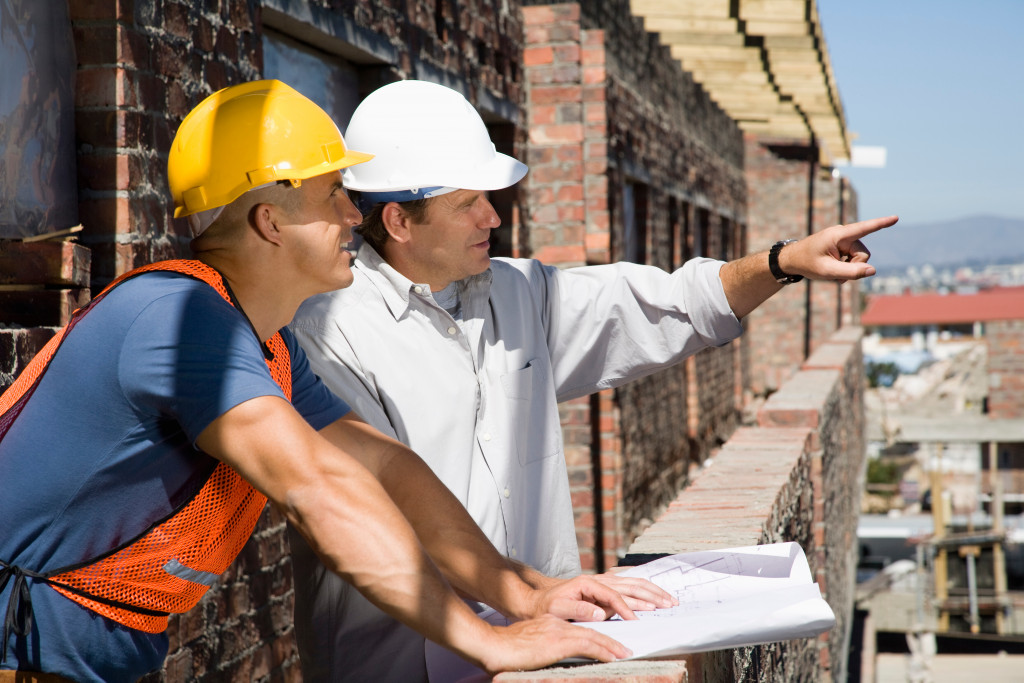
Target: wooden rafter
765	62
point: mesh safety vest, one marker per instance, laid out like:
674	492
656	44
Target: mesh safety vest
168	567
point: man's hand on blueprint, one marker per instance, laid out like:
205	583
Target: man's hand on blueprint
596	598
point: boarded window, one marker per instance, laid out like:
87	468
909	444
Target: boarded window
38	183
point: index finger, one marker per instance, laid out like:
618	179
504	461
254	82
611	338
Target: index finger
861	228
609	598
639	588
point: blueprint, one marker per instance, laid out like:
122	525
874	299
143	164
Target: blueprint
727	598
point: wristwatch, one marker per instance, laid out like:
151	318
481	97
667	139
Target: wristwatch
773	264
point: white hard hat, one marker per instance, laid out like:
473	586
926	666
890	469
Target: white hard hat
426	140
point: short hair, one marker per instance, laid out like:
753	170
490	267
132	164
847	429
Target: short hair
236	215
372	228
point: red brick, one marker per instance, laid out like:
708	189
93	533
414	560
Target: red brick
86	10
594	74
555	94
534	56
566	53
561	255
543	115
549	14
570	193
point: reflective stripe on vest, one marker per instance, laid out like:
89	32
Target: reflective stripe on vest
169	567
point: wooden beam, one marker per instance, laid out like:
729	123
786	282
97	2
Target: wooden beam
659	23
773	9
701	39
694	8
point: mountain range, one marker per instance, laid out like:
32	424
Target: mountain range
972	240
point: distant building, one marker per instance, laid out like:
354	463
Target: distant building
942	314
922	325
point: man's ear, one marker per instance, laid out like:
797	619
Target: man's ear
396	222
264	218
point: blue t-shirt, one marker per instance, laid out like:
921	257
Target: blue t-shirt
105	448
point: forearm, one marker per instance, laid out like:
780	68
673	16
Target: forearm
346	516
359	533
748	283
835	253
460	549
385	561
532	577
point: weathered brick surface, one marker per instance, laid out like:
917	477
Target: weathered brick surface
18	346
142	66
1005	340
790	196
41	307
44	263
594	126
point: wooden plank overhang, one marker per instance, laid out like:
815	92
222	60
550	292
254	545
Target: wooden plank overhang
764	62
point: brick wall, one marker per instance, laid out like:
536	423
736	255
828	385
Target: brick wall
594	126
793	477
1005	368
141	67
827	395
789	197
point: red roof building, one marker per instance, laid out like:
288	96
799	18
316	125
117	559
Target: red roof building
1001	303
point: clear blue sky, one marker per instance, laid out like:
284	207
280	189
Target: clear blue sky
940	84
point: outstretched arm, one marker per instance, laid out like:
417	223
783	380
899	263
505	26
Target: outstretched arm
835	253
359	533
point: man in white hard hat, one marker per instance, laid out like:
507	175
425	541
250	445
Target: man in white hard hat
184	407
465	358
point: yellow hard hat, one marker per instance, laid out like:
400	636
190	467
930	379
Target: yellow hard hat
247	136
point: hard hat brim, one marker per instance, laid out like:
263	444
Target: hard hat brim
499	172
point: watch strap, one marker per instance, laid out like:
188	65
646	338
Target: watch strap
773	264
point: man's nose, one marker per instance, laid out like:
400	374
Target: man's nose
350	214
491	218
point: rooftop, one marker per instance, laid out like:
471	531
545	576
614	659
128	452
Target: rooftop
1000	303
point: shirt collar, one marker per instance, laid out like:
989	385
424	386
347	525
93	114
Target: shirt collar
398	289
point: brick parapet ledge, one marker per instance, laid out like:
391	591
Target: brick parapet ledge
778	481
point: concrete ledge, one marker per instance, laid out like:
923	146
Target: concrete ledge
729	502
622	672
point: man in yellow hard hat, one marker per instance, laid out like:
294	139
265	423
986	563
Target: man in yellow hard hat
482	350
184	406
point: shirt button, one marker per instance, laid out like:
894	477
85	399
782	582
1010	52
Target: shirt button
486	436
507	493
452	330
417	289
512	553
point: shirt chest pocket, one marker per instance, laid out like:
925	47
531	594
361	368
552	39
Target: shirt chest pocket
532	412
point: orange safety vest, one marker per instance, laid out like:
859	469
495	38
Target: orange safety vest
168	568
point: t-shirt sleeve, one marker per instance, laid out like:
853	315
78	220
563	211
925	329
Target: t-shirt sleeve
190	356
310	396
